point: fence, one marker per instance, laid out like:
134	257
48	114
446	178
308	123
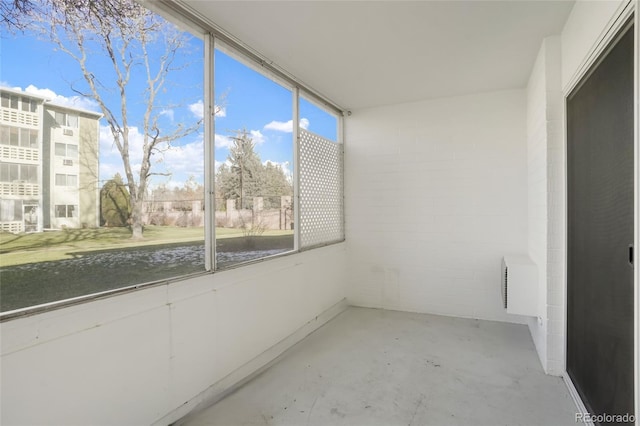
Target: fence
266	213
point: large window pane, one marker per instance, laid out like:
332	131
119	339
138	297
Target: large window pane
33	138
61	149
13	136
24	138
113	237
72	151
7	210
29	173
4	172
61	210
72	120
60	118
26	104
4	135
254	165
14	172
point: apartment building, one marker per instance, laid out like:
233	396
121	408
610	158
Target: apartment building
48	164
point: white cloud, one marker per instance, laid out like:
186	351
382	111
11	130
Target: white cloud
187	159
167	112
180	161
110	159
197	109
72	101
257	137
280	126
223	141
109	170
286	126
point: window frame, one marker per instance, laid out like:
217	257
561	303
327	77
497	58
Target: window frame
66	150
213	38
67	208
67	176
26	173
64	121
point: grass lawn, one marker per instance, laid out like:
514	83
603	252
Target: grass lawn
45	267
70	243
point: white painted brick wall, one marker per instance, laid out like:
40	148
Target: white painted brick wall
546	196
556	171
537	192
436	194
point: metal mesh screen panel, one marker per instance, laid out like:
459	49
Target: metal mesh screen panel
321	191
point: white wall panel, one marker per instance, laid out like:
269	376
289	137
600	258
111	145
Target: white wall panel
436	194
135	358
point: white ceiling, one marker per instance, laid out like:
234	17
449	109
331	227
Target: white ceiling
369	53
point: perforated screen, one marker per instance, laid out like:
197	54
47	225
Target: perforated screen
321	192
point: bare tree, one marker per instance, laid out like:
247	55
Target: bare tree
132	39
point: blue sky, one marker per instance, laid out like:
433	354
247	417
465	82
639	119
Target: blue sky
247	100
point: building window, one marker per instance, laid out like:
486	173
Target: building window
11	172
8	100
251	159
66	150
26	104
66	119
254	183
14	136
66	180
10	210
68	210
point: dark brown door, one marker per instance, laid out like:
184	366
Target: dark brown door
600	120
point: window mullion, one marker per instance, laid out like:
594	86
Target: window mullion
209	154
296	168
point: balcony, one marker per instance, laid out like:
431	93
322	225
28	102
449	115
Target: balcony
17	153
14	116
12	227
19	189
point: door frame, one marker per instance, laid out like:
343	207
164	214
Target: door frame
628	9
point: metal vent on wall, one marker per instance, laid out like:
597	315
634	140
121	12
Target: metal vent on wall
67	162
321	194
67	132
505	282
520	285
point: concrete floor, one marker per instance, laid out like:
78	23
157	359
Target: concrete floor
374	367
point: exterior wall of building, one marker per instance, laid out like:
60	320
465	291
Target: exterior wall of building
48	171
66	195
48	121
88	178
20	163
